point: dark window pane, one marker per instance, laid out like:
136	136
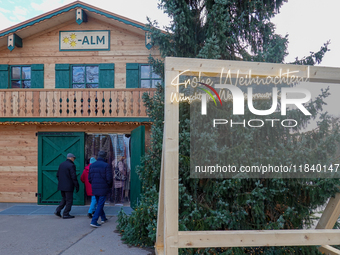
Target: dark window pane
92	73
26	73
78	74
145	71
145	83
155	82
92	85
26	84
16	72
16	84
78	86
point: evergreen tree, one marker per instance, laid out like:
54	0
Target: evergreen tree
231	30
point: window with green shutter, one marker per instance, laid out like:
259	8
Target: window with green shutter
148	79
84	76
21	76
141	76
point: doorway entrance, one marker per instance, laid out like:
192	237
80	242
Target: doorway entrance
117	147
124	153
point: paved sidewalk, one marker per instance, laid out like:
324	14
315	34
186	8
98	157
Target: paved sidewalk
34	209
33	229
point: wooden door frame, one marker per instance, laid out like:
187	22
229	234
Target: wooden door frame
169	238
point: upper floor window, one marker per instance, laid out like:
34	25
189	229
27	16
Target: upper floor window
20	77
141	76
85	76
148	79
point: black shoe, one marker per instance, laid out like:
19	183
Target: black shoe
89	215
68	217
57	214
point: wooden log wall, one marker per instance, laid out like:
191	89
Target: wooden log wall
19	155
126	46
18	164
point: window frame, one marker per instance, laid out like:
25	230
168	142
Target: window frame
85	82
21	80
150	77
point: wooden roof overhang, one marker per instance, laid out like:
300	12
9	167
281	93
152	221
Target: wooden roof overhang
65	14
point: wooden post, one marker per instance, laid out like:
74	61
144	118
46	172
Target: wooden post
329	250
327	221
330	214
171	118
159	246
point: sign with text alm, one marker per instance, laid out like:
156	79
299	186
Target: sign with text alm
84	40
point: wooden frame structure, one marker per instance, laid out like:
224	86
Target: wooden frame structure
169	238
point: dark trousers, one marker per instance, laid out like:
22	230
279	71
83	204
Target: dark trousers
67	201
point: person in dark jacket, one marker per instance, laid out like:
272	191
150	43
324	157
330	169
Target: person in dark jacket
100	177
67	181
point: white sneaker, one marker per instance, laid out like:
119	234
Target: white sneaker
104	221
95	225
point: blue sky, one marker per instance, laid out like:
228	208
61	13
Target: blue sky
309	23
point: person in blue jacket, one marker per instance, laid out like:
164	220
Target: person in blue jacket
100	177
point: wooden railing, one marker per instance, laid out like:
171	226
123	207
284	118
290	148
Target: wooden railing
73	102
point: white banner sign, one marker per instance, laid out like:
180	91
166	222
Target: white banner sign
84	40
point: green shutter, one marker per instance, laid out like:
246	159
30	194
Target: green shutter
137	152
132	75
62	76
106	76
37	76
4	77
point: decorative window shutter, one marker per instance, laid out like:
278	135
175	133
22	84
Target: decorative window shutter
62	76
37	76
132	75
4	76
106	76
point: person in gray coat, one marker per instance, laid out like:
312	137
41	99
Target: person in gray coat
67	181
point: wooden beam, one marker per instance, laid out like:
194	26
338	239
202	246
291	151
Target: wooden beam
329	250
171	118
160	215
208	66
159	250
250	238
330	214
327	221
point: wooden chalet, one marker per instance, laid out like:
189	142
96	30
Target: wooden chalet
71	80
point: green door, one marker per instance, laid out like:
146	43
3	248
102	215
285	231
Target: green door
52	150
137	151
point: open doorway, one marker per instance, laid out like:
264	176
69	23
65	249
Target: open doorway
117	147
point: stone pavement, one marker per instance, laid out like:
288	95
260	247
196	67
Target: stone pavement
33	229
